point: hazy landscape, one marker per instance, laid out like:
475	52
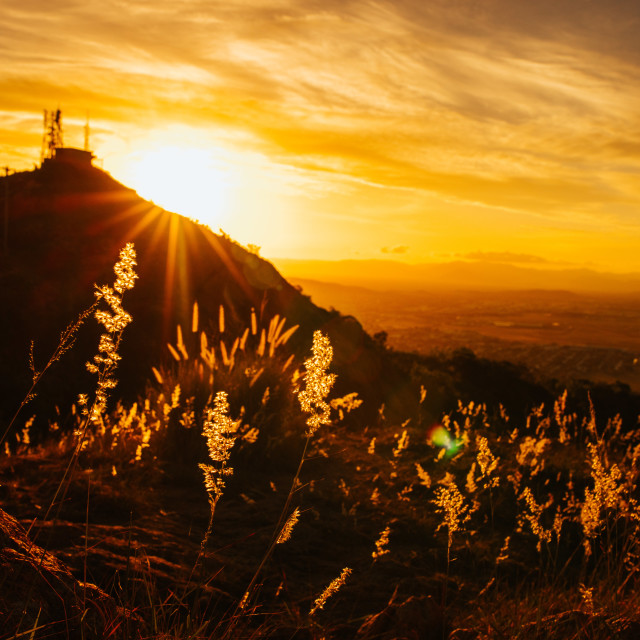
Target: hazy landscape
555	333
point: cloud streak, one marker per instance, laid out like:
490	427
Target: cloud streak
522	107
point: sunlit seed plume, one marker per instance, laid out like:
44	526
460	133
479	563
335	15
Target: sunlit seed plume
194	318
470	484
188	416
254	323
220	431
346	404
607	493
175	396
285	534
401	444
533	515
587	598
504	551
486	462
114	322
251	436
381	544
26	431
173	352
425	478
180	343
453	507
530	453
263	343
592	424
558	520
221	319
225	356
318	383
284	338
288	362
333	588
273	325
232	355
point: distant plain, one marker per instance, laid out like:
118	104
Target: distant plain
556	334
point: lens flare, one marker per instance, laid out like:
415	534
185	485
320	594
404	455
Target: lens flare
440	437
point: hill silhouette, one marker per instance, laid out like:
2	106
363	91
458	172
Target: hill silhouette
66	226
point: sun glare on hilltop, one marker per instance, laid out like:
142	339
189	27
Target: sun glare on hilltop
189	181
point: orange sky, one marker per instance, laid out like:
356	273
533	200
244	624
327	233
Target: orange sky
412	129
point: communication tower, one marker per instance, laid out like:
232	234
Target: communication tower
52	138
86	134
53	148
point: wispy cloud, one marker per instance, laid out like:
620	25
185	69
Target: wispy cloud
523	107
398	249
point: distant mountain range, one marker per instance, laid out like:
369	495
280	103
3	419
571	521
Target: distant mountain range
480	275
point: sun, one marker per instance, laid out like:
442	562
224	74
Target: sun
187	180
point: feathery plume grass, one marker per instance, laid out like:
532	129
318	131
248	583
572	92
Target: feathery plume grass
532	516
318	383
332	589
105	362
487	462
114	321
220	431
402	443
312	399
291	522
453	507
371	449
425	478
607	494
381	544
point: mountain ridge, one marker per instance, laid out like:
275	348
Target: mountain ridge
67	224
480	275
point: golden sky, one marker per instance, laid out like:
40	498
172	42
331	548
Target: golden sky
416	130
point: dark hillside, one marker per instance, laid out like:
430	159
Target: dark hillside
66	227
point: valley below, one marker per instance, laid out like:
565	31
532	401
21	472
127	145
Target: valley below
556	334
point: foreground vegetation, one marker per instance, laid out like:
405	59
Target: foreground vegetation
312	523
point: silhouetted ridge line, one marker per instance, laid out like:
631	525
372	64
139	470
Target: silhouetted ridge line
67	223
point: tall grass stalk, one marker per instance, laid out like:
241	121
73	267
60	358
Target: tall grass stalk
66	342
105	362
312	398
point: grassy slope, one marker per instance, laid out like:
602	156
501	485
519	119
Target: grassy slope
147	516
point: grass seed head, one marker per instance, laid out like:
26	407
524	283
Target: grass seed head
333	588
318	383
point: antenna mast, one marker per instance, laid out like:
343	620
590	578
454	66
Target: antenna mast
52	138
86	134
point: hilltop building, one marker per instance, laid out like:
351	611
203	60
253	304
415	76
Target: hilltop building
53	149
